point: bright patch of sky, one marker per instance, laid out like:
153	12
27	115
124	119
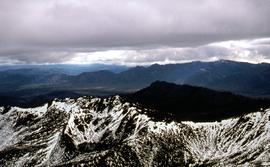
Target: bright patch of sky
253	51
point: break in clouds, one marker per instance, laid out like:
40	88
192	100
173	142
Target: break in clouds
133	32
253	51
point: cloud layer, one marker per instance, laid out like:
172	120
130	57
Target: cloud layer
253	51
56	31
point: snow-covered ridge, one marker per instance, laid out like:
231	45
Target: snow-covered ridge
96	132
244	140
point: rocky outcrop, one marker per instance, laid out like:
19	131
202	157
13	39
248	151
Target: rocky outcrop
111	132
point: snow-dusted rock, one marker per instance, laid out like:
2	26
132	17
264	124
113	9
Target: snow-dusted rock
111	132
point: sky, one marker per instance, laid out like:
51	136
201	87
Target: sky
133	32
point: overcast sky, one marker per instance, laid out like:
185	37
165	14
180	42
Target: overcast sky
133	32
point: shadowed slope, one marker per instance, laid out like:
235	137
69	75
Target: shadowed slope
184	102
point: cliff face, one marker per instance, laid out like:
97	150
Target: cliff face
112	132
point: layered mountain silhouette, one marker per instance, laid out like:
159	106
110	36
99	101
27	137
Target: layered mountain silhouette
169	101
241	78
187	119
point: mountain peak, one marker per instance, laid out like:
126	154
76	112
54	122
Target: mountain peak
161	83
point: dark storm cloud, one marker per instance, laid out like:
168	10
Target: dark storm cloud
47	31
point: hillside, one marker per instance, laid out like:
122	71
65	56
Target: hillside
184	102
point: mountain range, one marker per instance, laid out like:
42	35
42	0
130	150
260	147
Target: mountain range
237	77
112	132
169	101
193	114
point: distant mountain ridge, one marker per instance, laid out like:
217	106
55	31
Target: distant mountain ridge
238	77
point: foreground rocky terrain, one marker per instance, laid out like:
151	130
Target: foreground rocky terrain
111	132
